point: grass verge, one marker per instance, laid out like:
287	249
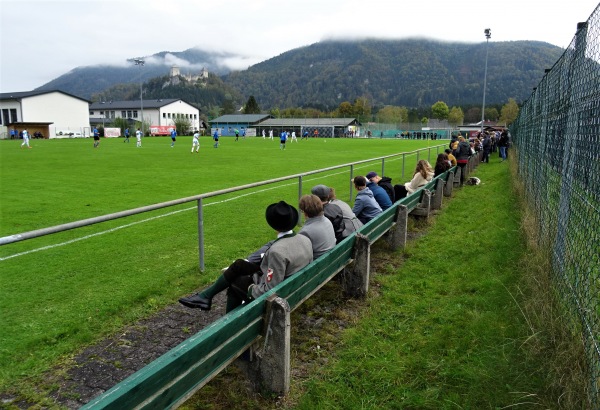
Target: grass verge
464	317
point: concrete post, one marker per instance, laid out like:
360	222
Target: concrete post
438	195
356	279
449	184
457	177
272	367
424	207
398	233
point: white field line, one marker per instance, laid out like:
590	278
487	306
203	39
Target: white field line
44	248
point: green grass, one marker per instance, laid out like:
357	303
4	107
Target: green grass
465	317
447	329
56	299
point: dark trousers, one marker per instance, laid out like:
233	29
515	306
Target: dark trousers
486	156
239	276
400	192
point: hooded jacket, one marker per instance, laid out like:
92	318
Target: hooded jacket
365	206
386	184
382	198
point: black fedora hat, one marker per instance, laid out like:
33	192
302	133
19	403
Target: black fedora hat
282	216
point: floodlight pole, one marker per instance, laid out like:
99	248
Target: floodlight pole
141	62
488	35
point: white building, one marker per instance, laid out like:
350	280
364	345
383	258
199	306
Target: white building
49	113
159	113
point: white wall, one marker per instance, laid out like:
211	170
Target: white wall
68	114
179	107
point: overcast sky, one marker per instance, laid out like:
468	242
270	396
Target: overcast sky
43	39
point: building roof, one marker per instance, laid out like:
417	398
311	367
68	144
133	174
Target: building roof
309	122
26	94
240	118
135	104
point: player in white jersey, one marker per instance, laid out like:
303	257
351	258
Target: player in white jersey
138	137
196	142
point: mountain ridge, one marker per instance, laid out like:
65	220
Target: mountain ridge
410	72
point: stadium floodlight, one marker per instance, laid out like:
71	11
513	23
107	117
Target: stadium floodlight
488	35
140	62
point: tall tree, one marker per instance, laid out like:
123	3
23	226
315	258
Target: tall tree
251	106
362	109
491	114
227	107
509	112
391	114
440	110
456	116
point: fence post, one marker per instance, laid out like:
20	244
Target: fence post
351	178
449	184
299	187
398	232
438	195
457	177
356	277
200	235
424	206
271	368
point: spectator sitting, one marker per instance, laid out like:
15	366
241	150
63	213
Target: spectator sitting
379	194
451	157
317	228
423	174
383	182
351	222
442	164
331	211
245	280
365	206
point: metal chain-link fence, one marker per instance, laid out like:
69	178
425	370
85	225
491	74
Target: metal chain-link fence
557	135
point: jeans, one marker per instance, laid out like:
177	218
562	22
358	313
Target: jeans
503	153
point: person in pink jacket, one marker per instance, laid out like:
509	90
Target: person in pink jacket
423	174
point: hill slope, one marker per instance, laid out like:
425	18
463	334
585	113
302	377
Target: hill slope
406	72
412	73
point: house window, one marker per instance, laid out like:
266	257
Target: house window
91	113
4	117
194	116
128	114
169	115
123	113
102	113
164	115
13	115
135	114
112	114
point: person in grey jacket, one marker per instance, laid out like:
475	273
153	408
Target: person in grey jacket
365	206
245	280
317	227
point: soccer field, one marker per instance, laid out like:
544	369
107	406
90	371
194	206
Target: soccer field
62	291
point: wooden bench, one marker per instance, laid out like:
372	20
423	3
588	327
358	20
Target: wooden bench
262	327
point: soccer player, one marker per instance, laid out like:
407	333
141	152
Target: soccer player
173	135
138	137
25	139
282	139
96	137
294	137
216	138
195	142
126	135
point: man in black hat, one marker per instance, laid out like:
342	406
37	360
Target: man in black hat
246	280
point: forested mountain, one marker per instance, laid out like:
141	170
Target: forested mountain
411	73
408	73
89	80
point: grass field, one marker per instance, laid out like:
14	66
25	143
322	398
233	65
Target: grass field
64	291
